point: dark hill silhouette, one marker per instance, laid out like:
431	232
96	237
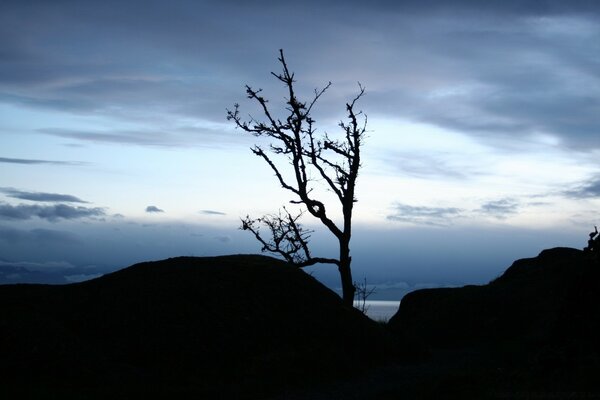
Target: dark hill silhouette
535	328
234	326
255	327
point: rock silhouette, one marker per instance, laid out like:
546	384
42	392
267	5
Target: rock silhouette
254	327
236	326
535	328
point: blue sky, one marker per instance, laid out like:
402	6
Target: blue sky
483	140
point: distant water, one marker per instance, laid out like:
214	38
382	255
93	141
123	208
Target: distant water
381	310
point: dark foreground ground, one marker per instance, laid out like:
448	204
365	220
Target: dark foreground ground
254	327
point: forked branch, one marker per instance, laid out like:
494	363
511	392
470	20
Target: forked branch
286	237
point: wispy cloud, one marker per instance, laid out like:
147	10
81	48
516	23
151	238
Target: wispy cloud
223	238
426	166
26	161
51	213
500	209
153	209
38	266
41	196
170	136
420	215
81	277
212	212
391	285
587	189
142	138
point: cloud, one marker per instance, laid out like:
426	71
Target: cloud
391	285
153	209
172	135
113	244
212	212
40	196
427	166
588	189
500	209
37	237
505	7
223	238
142	138
419	215
51	272
38	266
430	285
484	68
51	213
49	236
25	161
81	277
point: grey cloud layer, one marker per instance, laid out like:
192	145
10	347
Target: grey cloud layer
51	213
48	272
421	215
508	69
40	196
38	237
588	189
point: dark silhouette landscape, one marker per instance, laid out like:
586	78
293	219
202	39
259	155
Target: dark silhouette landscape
396	145
255	327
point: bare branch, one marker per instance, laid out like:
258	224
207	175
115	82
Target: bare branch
318	93
259	152
287	237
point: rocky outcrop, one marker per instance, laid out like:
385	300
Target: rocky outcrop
540	320
234	324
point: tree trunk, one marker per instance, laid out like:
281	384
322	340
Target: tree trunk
348	288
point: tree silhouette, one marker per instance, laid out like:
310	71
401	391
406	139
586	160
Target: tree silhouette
315	159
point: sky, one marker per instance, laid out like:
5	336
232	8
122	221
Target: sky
482	146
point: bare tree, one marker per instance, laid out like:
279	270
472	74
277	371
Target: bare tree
363	292
315	159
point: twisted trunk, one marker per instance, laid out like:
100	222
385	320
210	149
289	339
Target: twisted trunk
348	288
